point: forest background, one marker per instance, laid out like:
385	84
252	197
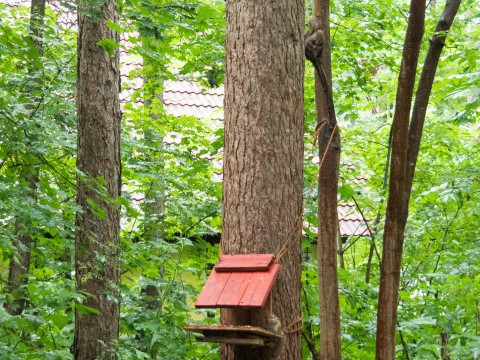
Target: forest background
176	161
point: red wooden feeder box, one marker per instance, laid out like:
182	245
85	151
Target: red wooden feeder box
242	282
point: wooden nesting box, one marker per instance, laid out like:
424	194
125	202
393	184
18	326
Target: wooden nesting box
238	282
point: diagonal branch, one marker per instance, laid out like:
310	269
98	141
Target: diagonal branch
437	42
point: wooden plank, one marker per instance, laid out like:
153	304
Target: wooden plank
212	290
231	340
244	262
234	330
234	288
259	287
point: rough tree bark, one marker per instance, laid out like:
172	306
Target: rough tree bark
329	153
98	185
405	148
263	159
18	270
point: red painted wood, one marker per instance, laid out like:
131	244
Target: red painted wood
259	287
212	290
244	262
234	289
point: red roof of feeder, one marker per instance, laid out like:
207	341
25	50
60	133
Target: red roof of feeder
239	281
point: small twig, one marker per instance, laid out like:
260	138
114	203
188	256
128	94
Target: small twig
326	149
404	344
199	221
311	347
372	237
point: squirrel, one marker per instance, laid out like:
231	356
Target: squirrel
274	325
314	40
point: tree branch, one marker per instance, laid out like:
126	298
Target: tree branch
437	42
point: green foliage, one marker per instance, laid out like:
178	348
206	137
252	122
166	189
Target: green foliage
175	161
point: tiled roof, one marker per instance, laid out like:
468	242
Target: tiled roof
187	98
350	220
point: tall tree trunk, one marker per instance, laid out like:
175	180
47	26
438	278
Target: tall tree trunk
99	184
18	270
405	149
397	204
263	160
329	153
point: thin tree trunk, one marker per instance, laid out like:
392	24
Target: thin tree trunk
341	261
329	152
154	206
98	185
263	158
397	204
406	146
373	247
18	270
307	331
443	339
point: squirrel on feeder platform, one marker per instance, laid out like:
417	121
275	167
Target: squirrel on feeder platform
274	325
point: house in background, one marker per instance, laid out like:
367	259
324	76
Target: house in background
191	99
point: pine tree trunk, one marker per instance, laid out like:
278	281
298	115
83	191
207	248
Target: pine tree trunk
99	184
18	270
263	159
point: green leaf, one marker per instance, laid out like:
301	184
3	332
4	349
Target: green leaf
59	320
96	209
109	45
114	26
84	310
346	191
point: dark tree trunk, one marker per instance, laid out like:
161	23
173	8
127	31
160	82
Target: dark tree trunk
329	153
397	204
263	160
405	149
443	339
99	184
18	270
